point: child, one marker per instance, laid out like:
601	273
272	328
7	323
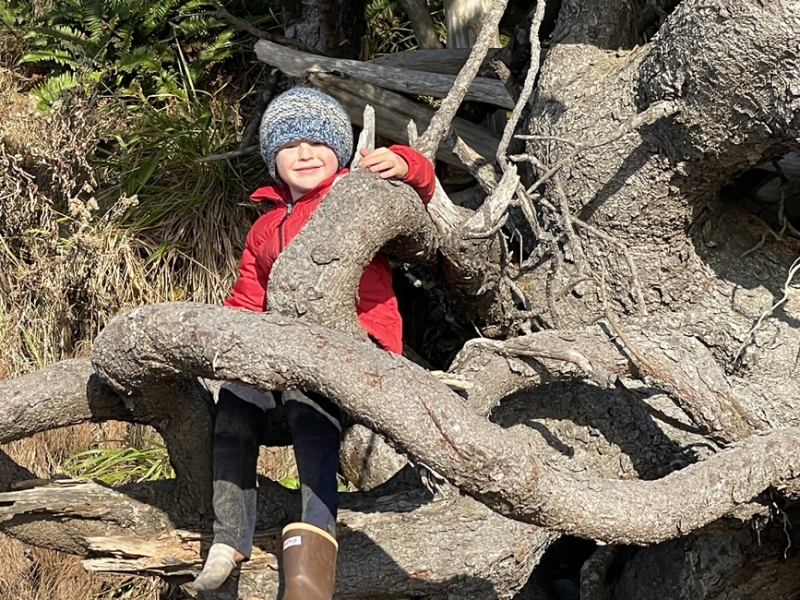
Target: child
306	140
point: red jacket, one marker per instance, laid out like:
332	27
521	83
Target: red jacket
377	305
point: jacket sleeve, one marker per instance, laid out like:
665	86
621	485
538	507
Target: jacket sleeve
420	174
249	291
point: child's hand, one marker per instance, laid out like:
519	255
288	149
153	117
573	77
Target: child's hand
384	162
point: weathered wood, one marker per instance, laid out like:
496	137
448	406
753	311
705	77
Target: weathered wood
366	459
393	113
381	554
448	61
434	425
59	395
463	19
299	64
457	93
11	473
69	393
323	288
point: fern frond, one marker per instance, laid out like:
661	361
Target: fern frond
60	57
63	32
156	13
195	26
139	58
48	91
92	13
125	34
13	16
218	49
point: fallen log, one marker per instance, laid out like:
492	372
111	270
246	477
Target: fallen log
299	64
445	61
388	548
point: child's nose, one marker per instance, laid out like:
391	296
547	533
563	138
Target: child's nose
305	150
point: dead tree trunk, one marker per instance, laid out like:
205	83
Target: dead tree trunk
630	146
333	27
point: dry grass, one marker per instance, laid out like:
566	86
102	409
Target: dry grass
61	277
67	266
39	574
277	463
63	273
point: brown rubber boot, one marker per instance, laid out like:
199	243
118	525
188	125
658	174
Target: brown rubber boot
309	562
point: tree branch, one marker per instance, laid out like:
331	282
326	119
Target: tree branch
527	87
430	140
299	64
120	535
422	23
69	393
433	424
316	277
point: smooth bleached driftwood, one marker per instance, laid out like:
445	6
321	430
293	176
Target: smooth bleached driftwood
299	64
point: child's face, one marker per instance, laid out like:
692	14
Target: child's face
304	164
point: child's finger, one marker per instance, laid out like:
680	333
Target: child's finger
381	166
388	174
366	152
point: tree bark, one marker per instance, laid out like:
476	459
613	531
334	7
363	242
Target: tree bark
422	23
69	393
434	425
631	213
334	27
382	554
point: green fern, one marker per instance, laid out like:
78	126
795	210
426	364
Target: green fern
12	15
156	14
139	58
218	49
60	57
64	33
127	46
48	92
92	14
124	40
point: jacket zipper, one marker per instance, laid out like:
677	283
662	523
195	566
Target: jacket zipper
280	226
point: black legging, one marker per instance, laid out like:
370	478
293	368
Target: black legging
239	430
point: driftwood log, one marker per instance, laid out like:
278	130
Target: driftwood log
299	64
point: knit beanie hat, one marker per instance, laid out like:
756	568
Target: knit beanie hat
304	113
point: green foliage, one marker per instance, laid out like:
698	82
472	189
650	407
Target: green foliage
48	91
191	215
132	47
121	465
293	483
157	158
13	15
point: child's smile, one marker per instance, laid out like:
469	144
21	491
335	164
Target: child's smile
304	164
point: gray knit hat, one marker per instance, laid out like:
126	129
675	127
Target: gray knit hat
304	113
